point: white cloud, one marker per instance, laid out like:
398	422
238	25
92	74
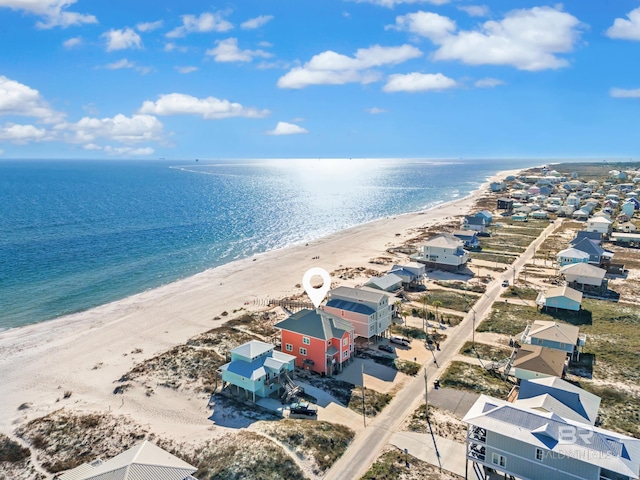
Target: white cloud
123	129
393	3
375	110
525	39
53	12
187	69
19	99
128	150
475	10
626	29
418	82
227	51
625	93
92	146
122	39
124	63
22	134
331	68
488	82
426	24
284	128
208	108
149	26
256	22
206	22
170	47
72	42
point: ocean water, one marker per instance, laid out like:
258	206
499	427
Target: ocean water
77	234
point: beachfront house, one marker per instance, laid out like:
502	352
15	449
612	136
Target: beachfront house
469	238
412	274
443	251
388	283
554	395
257	370
534	361
584	276
560	298
498	186
320	341
531	444
475	223
368	310
571	256
558	336
144	461
627	227
596	237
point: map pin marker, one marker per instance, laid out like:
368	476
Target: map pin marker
316	294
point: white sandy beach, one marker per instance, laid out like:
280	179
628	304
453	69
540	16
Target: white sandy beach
38	363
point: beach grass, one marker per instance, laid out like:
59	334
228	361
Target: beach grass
486	352
392	464
493	257
524	293
451	300
473	378
11	451
374	401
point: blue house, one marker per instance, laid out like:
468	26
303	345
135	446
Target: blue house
486	214
560	298
468	237
558	336
597	254
257	369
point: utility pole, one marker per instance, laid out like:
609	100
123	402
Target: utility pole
364	412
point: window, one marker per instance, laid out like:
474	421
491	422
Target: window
306	340
539	454
539	341
562	346
344	354
345	341
328	342
303	351
498	460
289	347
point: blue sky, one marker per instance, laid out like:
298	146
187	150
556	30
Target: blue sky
319	78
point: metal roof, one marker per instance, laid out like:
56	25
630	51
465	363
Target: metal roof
564	291
351	306
145	461
584	270
252	349
553	331
592	445
316	324
355	294
589	246
386	281
563	398
572	253
260	366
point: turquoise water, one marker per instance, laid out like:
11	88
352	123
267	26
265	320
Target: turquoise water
77	234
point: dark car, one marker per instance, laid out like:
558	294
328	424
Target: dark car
385	348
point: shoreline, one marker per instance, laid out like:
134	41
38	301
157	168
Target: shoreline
41	360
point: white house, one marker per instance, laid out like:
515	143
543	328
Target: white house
571	256
599	224
368	310
532	444
443	251
627	227
475	223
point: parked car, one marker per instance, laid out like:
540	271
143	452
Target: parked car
302	410
400	340
505	283
385	348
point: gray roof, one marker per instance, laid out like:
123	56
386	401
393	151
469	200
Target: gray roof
443	240
385	282
143	462
560	397
584	270
355	294
252	349
595	446
473	220
564	291
572	253
589	246
260	366
316	324
554	331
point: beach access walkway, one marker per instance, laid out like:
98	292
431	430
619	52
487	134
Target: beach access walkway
380	430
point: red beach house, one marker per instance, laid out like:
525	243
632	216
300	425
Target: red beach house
320	341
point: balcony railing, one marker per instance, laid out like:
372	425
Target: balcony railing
478	434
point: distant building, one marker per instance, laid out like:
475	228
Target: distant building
443	251
388	283
597	255
486	214
368	310
257	369
469	238
532	444
560	298
498	186
596	237
554	335
599	224
584	276
627	227
412	274
478	224
142	462
505	204
320	341
571	256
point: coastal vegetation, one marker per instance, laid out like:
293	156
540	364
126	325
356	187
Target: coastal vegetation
374	401
492	353
442	422
473	378
393	464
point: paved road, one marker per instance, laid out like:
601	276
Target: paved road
369	443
